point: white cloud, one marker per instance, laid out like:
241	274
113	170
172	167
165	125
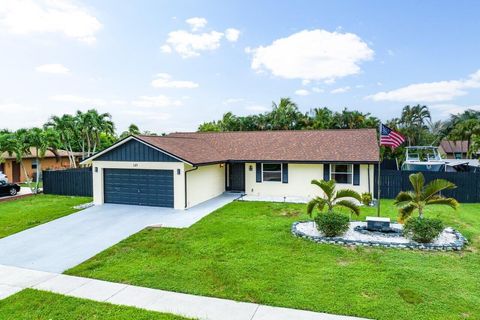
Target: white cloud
156	101
447	109
54	68
430	91
166	48
230	101
340	90
197	23
257	108
232	34
317	90
189	44
78	100
302	92
306	82
49	16
312	55
164	80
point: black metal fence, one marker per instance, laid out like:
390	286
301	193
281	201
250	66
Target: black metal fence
70	182
468	184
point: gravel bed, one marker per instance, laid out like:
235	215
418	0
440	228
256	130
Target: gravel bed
449	239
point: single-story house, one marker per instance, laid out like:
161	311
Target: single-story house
181	170
454	149
10	167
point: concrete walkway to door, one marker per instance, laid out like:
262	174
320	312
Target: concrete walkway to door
66	242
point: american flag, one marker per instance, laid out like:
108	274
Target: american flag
390	138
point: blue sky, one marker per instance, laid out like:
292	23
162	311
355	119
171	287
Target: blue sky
170	65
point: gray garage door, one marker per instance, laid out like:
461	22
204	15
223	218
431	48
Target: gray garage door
139	187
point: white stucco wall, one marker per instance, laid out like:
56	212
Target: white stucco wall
204	183
299	178
178	179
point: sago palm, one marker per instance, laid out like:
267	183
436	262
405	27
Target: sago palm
423	195
333	198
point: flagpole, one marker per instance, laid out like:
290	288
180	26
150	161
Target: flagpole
378	177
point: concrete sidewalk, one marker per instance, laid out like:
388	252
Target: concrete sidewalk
13	280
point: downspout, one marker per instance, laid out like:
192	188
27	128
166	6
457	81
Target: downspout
187	171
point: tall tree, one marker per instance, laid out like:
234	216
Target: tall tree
41	141
465	126
66	127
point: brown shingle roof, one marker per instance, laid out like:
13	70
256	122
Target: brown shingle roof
454	146
307	145
33	154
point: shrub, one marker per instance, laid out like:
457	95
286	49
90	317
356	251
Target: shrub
332	224
367	198
423	230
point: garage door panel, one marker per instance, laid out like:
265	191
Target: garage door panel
139	187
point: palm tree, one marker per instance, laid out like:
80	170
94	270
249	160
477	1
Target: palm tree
423	195
285	115
18	143
66	127
41	141
333	198
412	122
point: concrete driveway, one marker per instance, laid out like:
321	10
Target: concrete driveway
66	242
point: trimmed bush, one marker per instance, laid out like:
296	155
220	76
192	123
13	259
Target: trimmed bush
367	198
423	230
332	224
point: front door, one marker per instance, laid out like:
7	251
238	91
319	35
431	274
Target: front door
15	171
237	177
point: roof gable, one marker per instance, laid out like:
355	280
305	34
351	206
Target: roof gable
133	150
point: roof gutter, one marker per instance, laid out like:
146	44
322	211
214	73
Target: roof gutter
186	193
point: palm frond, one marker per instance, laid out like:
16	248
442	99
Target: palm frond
348	193
417	180
318	203
451	202
435	186
406	212
404	196
349	205
328	187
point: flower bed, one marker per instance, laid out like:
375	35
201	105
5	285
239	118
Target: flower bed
448	240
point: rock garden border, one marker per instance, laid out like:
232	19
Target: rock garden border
458	244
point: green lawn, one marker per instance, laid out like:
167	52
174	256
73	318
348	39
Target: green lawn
41	305
21	214
245	251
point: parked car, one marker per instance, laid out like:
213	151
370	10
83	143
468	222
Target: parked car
10	189
3	177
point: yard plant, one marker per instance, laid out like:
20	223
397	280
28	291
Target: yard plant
423	195
331	223
423	229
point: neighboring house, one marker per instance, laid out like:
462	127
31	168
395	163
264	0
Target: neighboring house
16	174
454	149
181	170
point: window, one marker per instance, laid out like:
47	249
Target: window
458	155
342	173
272	172
34	164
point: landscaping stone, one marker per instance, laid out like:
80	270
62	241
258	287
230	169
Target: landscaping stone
358	235
84	206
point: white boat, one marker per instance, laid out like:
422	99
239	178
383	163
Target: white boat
423	158
427	158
